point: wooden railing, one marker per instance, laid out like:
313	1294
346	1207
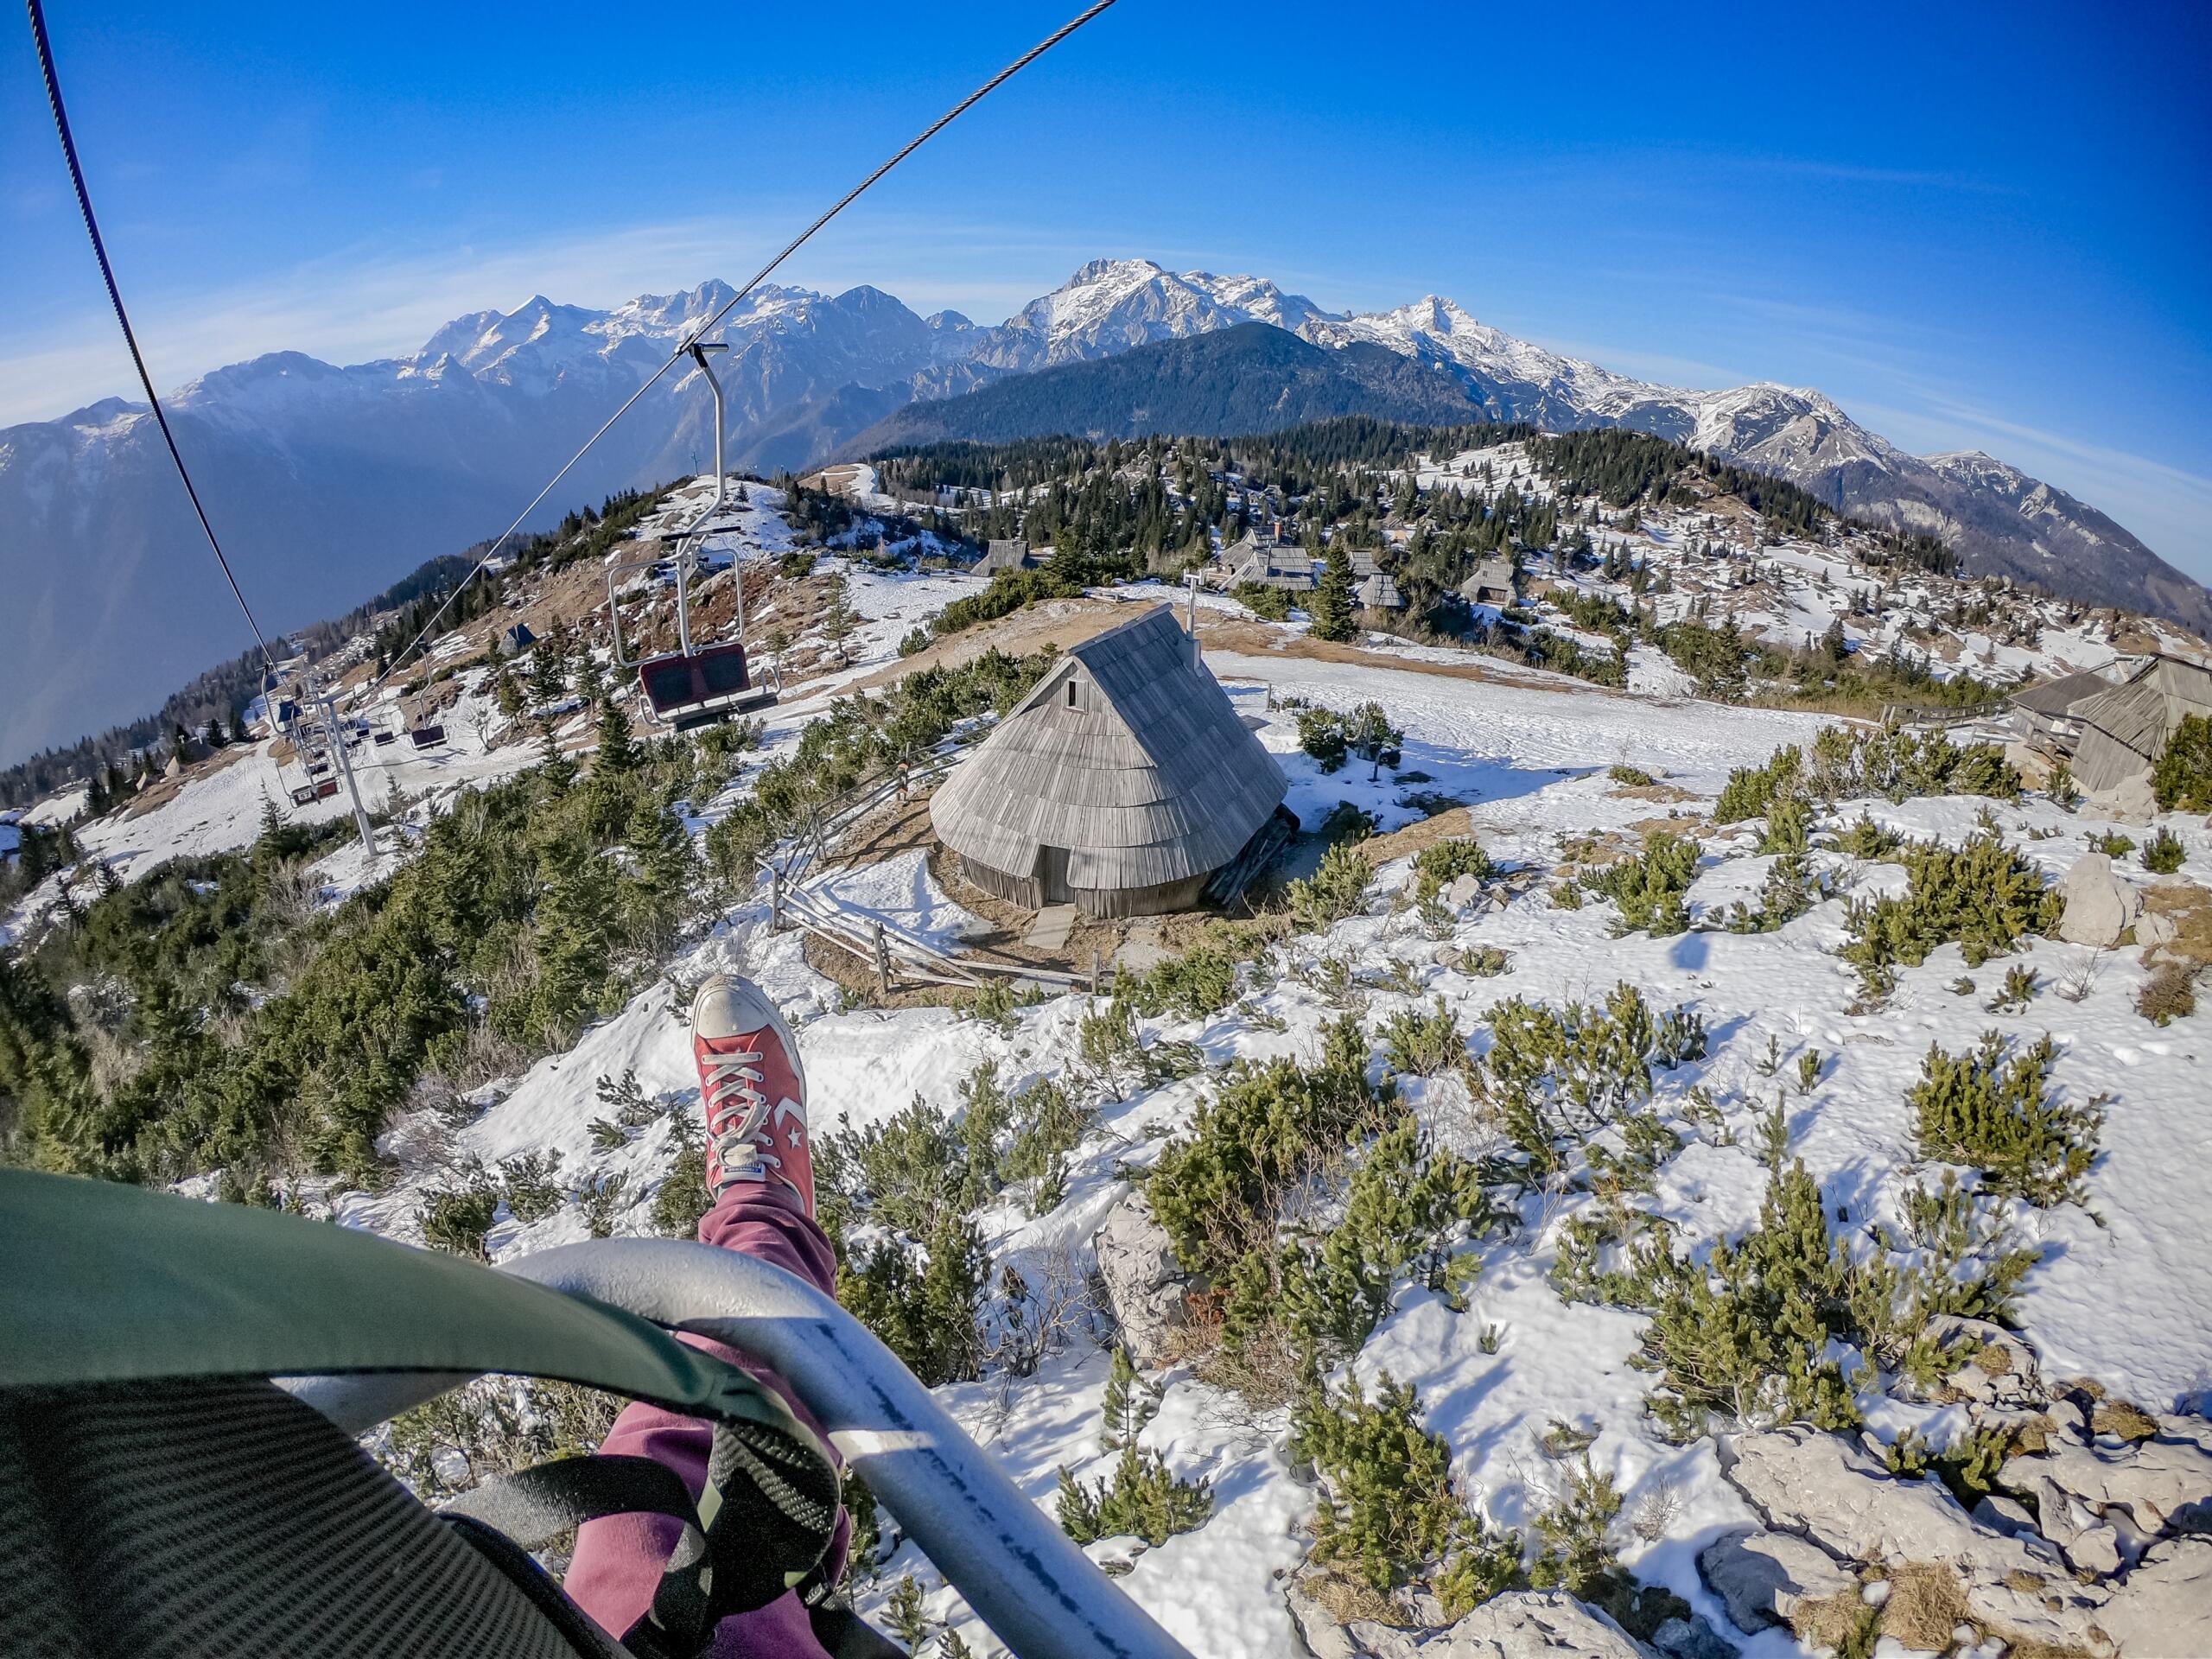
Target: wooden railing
893	953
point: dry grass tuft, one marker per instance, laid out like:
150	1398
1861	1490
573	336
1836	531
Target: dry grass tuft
1927	1603
2119	1417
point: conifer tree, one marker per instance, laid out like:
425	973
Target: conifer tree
619	752
838	618
554	767
1131	1402
1330	607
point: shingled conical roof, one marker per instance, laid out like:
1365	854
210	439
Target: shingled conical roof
1127	755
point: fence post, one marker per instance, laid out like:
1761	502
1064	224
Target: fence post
1096	960
882	959
775	899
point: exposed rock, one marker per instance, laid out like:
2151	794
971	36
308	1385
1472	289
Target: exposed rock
1521	1624
1462	891
1762	1577
1831	1491
1692	1638
1144	1283
2166	1606
2058	1518
1530	1625
2000	1514
2100	906
1317	1627
2132	800
2153	929
2002	1371
2153	1479
2095	1551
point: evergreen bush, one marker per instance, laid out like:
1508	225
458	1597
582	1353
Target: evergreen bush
1142	1497
1649	888
1391	1516
1982	896
1427	1043
1337	889
1273	1126
2162	853
2000	1116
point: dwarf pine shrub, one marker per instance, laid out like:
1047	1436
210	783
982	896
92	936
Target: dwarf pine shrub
1891	762
1649	888
2000	1116
1788	826
1336	890
1273	1126
1574	1534
1390	1515
1437	867
1864	838
1750	790
681	1198
1982	896
1746	1338
1321	735
1408	1206
1426	1043
1200	983
1955	1255
1558	1075
929	1316
1142	1497
455	1215
2162	853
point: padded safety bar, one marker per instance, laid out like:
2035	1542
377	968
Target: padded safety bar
1038	1594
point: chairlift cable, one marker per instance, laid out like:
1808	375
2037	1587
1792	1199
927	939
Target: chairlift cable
130	336
714	321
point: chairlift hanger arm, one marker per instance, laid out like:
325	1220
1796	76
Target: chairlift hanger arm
759	277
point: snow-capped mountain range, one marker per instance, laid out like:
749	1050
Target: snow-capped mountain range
326	482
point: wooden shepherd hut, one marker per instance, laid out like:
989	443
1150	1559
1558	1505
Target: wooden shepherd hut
1121	784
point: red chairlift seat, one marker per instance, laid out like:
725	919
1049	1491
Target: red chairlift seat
325	788
708	684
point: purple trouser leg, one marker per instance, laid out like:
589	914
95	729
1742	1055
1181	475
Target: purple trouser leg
618	1561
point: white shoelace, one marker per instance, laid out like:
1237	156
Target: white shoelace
745	1142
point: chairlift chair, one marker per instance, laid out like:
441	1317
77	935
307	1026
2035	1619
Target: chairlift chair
695	685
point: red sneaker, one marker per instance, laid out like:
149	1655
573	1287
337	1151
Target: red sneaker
752	1087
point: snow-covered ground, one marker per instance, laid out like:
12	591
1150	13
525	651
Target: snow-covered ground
2123	1294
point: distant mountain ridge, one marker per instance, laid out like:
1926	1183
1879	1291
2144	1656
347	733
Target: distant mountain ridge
328	482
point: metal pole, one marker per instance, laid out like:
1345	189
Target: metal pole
699	350
346	765
1036	1592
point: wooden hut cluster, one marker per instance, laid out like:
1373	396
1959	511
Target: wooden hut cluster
1124	783
2114	733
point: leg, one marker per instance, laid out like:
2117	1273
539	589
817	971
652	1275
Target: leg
760	1173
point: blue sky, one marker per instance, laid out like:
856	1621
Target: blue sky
1973	227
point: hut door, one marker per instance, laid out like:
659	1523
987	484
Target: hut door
1052	866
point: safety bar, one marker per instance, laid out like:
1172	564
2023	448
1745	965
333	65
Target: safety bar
1038	1594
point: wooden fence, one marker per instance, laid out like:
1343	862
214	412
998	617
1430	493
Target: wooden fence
890	952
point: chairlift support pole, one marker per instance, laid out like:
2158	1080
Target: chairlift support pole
346	766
